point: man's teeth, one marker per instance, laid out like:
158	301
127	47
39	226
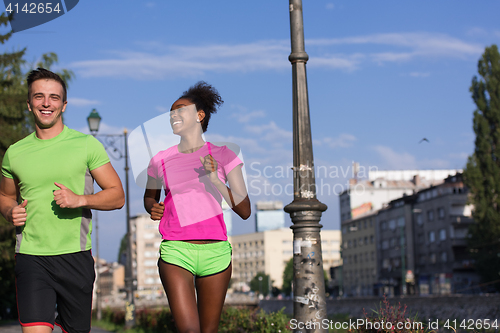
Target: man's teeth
46	112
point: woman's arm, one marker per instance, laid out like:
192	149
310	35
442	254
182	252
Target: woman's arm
151	198
236	194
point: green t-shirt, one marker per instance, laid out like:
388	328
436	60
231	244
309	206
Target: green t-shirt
36	164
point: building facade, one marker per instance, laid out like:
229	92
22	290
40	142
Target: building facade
145	255
358	274
381	187
269	251
269	215
442	217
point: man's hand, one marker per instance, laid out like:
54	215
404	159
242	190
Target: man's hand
210	165
157	211
18	214
65	198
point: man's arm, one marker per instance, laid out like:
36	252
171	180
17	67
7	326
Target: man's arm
111	197
12	211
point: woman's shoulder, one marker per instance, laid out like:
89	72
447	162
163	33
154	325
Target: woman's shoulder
163	154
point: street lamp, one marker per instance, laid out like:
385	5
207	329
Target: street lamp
309	303
93	121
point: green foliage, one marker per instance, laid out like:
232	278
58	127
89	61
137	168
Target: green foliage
15	123
261	286
233	320
288	278
482	174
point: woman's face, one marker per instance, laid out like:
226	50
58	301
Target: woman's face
184	117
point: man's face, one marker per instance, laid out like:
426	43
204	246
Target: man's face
46	102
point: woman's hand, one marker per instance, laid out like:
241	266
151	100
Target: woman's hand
157	211
210	165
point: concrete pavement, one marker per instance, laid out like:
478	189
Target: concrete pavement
14	327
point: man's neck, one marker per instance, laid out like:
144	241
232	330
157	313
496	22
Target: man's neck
49	133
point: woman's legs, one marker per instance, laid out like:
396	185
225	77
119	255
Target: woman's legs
211	291
179	287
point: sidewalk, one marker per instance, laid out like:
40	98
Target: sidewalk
14	327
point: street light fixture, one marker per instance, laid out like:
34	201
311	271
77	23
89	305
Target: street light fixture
93	121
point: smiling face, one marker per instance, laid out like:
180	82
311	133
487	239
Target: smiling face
184	117
46	103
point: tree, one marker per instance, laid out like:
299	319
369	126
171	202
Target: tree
482	173
15	123
260	283
288	278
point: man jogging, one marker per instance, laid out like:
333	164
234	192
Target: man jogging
46	191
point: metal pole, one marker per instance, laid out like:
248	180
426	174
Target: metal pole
305	210
98	274
403	262
129	273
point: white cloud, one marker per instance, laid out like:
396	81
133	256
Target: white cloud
344	140
104	128
75	101
245	116
162	109
330	6
271	133
160	61
476	31
394	160
420	74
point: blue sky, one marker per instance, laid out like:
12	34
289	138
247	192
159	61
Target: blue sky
382	75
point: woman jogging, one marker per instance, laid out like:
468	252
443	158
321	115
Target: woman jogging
194	175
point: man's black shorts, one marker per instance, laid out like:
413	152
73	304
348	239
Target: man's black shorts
65	281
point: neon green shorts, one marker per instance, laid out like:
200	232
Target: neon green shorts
199	259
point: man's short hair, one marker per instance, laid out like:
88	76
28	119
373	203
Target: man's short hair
42	73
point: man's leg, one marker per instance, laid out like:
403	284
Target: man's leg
179	287
211	291
36	298
75	281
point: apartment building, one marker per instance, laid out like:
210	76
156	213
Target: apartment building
358	274
270	250
145	255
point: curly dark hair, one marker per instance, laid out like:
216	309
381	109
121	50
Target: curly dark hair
42	73
206	98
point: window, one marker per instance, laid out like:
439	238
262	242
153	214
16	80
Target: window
444	257
430	215
401	222
149	245
419	218
371	239
432	236
392	224
432	258
393	242
385	245
383	225
442	234
366	240
441	213
354	243
386	263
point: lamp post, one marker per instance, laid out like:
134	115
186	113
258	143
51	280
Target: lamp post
309	303
93	121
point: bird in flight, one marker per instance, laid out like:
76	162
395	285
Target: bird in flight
424	139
